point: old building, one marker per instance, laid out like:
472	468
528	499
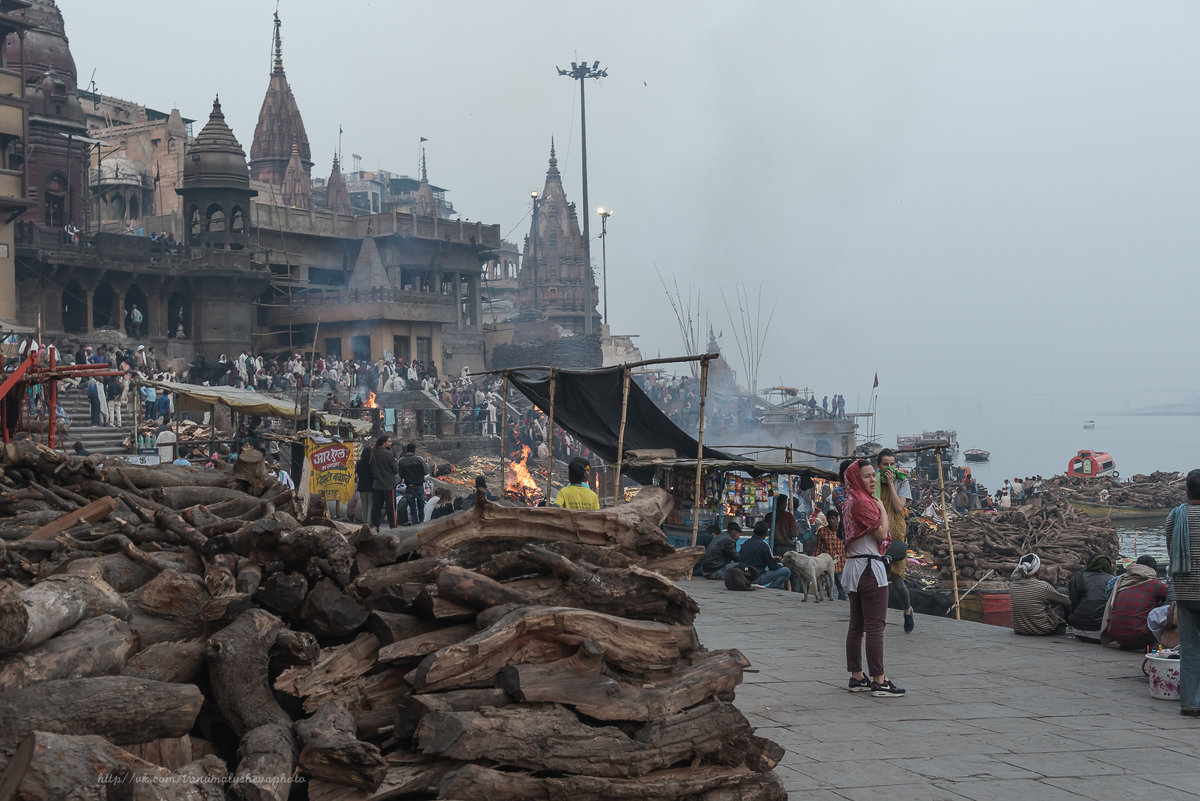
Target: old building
13	112
280	155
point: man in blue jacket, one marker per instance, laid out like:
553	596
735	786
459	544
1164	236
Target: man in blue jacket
756	553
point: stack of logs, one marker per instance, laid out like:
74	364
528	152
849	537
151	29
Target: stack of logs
1158	490
1063	538
181	633
189	432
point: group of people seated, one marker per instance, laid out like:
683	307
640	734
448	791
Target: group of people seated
1129	611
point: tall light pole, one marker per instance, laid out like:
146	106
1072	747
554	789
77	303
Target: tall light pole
581	72
536	202
604	215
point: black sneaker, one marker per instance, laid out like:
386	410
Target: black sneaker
885	690
909	623
859	685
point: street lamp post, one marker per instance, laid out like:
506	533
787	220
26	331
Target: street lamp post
604	215
536	202
581	72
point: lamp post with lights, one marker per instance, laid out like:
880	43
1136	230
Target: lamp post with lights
604	215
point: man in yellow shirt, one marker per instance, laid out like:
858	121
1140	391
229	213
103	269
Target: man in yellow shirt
577	495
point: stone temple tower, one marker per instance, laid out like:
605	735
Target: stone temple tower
279	132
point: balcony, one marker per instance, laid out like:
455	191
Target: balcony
325	223
337	304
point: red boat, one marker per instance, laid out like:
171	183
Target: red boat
1092	464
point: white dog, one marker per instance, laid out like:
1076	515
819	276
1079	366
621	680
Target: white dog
809	569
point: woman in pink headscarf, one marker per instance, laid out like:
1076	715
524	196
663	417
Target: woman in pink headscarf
867	534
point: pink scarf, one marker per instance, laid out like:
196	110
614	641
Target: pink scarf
860	511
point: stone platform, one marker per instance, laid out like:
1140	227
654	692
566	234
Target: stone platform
988	715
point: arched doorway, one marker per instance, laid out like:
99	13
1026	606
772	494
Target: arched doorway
74	308
135	297
104	306
179	315
135	208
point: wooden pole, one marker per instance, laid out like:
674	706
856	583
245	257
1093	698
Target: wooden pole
949	538
550	434
503	432
699	456
617	493
52	394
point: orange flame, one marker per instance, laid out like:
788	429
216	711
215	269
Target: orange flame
371	404
519	479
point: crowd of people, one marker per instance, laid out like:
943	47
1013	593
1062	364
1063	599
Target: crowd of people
679	398
1133	610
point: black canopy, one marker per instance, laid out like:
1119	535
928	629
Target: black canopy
587	403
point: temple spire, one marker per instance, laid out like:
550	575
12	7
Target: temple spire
278	48
424	174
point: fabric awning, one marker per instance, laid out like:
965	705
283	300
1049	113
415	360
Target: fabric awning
248	401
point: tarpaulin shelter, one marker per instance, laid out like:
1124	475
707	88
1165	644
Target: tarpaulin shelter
587	403
247	401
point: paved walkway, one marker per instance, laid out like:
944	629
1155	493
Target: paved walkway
988	715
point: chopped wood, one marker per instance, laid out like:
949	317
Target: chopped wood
32	616
94	512
331	751
98	646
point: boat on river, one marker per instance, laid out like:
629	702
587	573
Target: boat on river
1092	464
1125	514
976	455
1089	425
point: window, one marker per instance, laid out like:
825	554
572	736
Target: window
196	223
237	221
425	350
216	219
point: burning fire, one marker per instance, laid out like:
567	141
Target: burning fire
370	403
519	481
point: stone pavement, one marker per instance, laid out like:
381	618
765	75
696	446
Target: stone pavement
988	715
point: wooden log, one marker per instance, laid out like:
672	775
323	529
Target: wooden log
169	607
331	751
703	783
238	658
426	643
626	592
547	737
163	475
283	592
124	574
317	683
32	616
442	610
250	472
266	763
180	498
409	780
580	681
179	661
94	512
98	646
390	627
418	571
414	708
171	753
637	646
330	613
53	767
100	705
677	565
321	547
487	528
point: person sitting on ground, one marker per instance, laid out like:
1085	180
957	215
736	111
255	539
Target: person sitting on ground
1037	608
444	506
785	526
721	553
757	554
1088	594
577	494
1134	595
480	484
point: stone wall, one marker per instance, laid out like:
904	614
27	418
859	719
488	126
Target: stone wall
568	353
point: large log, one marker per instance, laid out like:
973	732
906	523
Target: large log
418	572
266	763
98	646
638	646
415	707
54	767
547	737
318	683
169	607
704	783
331	751
32	616
475	590
124	574
330	613
94	512
179	661
580	681
390	627
488	528
123	709
239	657
418	779
425	643
321	547
163	475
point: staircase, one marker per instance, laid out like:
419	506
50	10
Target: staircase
97	439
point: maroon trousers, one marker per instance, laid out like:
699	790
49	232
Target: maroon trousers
868	614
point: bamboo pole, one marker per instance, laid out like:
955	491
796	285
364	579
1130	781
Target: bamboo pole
52	394
949	537
617	493
699	455
971	589
550	434
503	432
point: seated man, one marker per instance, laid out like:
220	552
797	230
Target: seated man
721	553
756	553
1134	595
785	526
1088	592
1037	608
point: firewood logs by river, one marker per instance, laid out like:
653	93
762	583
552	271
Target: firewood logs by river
1158	490
192	634
1064	539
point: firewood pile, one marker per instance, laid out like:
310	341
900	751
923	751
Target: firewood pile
1158	490
185	634
1063	538
189	432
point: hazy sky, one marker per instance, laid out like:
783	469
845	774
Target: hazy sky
980	199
